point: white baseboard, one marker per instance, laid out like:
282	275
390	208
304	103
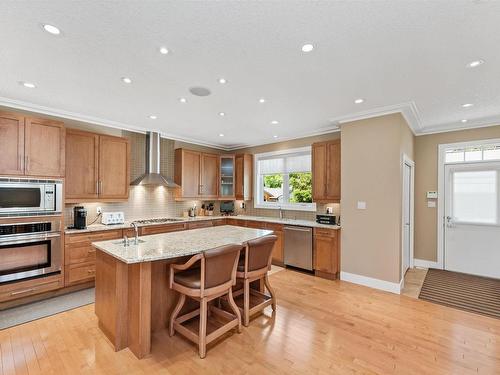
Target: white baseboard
425	263
371	282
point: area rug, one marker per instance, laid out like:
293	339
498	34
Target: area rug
462	291
40	309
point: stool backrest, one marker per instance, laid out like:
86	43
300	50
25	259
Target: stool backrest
260	252
220	265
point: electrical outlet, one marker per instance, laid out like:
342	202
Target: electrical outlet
99	210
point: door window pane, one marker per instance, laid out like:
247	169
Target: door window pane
473	154
475	197
454	156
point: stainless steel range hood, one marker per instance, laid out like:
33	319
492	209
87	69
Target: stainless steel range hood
152	175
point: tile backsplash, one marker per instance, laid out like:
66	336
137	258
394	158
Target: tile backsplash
289	214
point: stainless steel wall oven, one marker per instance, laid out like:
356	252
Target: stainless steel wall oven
30	248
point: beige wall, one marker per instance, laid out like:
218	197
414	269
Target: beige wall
426	179
372	172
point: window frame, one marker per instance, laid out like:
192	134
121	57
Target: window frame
258	183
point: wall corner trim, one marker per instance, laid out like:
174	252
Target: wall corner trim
371	282
422	263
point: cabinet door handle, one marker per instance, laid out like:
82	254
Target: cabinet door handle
97	187
100	187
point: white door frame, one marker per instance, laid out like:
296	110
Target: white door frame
409	162
441	189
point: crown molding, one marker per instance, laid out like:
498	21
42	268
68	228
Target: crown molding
409	111
469	125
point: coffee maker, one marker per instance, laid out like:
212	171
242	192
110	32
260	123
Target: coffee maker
80	217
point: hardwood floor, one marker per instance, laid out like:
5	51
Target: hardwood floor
321	327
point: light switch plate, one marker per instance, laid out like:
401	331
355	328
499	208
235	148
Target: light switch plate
361	205
431	204
432	195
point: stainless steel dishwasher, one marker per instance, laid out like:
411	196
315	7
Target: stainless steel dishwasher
298	247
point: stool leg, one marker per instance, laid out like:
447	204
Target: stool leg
246	303
202	336
177	310
235	308
271	291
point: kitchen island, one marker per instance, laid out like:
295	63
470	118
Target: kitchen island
133	298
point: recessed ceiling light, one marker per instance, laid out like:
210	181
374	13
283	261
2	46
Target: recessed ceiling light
262	100
153	117
28	84
467	105
307	48
126	80
475	63
183	100
164	50
222	114
221	135
359	101
222	81
464	120
274	122
51	29
275	136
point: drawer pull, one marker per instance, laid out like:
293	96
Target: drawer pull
22	292
90	271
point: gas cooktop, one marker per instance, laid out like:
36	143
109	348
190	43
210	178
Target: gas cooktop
157	221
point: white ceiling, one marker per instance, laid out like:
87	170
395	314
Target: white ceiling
407	56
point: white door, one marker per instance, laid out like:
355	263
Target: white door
472	225
407	220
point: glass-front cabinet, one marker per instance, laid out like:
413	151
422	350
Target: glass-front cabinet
226	188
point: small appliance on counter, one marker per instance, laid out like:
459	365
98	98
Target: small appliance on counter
110	218
79	217
327	219
227	208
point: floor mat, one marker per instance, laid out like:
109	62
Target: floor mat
466	292
40	309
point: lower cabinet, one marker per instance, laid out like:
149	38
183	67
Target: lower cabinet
200	224
31	287
326	253
79	255
155	229
278	253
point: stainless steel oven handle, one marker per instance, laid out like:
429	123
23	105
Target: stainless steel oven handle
27	239
299	229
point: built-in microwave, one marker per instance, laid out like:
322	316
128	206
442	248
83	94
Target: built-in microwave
22	197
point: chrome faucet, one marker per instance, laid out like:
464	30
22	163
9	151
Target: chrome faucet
136	230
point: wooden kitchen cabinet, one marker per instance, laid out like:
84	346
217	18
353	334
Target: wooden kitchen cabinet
326	253
278	252
11	144
98	167
82	172
114	167
243	165
44	147
79	255
155	229
326	171
31	146
197	174
209	175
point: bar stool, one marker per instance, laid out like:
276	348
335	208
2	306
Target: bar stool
204	277
254	265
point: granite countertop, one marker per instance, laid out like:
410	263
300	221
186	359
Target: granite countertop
285	221
179	244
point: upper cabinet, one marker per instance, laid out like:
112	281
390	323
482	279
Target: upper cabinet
31	146
98	167
197	174
326	171
243	166
226	190
114	167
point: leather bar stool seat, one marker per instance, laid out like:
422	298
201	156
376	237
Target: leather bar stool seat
190	278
